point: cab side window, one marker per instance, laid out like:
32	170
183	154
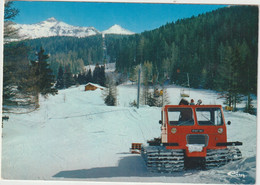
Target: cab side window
180	116
209	116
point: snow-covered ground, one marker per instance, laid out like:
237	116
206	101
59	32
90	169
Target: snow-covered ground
74	136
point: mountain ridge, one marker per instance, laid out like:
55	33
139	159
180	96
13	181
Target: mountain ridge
53	27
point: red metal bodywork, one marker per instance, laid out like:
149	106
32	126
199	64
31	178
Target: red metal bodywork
182	131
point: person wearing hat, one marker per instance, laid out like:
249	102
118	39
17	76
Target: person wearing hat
192	102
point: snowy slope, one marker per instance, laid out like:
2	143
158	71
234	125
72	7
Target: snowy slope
74	136
117	29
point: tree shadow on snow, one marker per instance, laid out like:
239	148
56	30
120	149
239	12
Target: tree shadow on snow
131	166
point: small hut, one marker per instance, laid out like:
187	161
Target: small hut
92	87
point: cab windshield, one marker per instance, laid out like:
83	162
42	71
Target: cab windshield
209	116
180	116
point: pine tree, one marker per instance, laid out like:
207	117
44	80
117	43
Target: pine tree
110	93
15	69
249	108
102	76
12	53
163	99
9	92
235	89
99	76
146	78
43	76
60	79
81	78
89	76
133	76
10	32
96	74
151	99
110	99
68	77
224	80
46	80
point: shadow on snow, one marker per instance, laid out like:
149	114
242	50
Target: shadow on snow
131	166
134	166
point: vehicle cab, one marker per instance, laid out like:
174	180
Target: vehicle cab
193	128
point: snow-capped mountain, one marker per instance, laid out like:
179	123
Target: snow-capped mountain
117	29
53	27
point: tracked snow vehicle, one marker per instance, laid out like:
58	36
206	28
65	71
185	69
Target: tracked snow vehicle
190	133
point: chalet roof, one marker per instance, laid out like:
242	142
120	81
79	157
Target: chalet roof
96	85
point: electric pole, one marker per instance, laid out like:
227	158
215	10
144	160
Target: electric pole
138	88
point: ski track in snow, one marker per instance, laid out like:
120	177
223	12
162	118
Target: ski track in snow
75	136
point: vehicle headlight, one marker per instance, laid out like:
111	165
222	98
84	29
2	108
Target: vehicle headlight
173	130
220	130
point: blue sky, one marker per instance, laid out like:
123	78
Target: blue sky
136	17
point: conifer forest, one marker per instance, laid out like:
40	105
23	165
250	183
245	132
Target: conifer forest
218	50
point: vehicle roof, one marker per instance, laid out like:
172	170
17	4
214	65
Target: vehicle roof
192	106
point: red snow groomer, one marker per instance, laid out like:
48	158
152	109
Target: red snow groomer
190	133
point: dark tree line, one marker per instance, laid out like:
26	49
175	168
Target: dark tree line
76	52
217	49
200	46
66	78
